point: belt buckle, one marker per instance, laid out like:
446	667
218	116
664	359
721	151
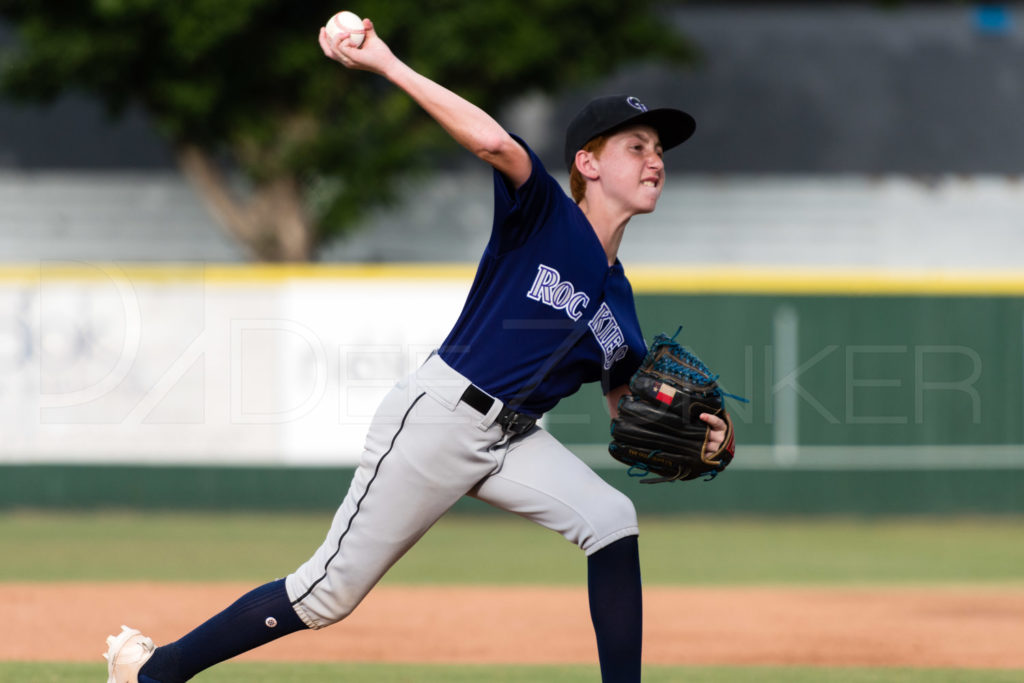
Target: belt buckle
515	423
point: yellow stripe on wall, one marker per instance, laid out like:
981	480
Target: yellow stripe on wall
825	282
646	279
232	273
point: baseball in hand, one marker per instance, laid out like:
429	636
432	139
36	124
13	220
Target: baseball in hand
346	22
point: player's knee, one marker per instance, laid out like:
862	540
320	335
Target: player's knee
319	607
613	519
620	507
319	614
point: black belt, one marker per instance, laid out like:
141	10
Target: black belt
510	421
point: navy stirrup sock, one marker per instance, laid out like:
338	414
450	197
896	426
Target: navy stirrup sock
256	618
616	608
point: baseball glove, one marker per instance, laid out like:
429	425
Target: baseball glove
658	429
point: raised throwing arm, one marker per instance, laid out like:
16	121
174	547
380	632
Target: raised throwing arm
466	123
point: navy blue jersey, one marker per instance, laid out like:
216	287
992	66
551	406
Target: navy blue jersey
544	281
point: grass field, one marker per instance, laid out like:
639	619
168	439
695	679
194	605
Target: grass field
505	550
381	673
45	547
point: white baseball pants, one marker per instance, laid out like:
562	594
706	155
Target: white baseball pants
424	450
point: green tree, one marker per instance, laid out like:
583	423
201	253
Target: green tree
243	86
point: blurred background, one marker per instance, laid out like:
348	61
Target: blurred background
219	250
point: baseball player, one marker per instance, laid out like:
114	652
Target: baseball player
550	308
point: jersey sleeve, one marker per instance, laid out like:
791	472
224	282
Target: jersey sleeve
621	372
521	213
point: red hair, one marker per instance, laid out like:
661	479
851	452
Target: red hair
577	184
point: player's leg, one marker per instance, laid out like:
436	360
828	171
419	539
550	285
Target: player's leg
421	456
258	617
543	481
616	609
423	468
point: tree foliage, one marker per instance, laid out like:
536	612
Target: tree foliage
244	82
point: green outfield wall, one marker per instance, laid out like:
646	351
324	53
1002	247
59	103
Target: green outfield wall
847	370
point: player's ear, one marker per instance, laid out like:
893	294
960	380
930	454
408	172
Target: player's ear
587	164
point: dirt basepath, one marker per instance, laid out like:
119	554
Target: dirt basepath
938	627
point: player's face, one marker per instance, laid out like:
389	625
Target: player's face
632	169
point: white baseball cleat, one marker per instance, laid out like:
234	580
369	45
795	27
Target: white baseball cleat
126	653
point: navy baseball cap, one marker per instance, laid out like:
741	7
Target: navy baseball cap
605	114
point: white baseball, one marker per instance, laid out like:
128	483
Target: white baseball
346	22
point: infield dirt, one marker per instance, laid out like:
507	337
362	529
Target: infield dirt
969	627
